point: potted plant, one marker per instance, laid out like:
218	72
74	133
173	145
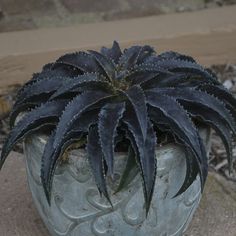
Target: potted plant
116	142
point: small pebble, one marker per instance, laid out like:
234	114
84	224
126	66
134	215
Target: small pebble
228	84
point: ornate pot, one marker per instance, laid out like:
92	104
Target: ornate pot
78	209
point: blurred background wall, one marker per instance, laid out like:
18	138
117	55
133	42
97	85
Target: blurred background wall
33	14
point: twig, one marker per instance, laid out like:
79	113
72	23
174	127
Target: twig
221	164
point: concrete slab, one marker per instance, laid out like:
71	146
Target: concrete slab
17	212
216	215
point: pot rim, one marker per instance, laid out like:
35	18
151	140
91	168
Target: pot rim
205	133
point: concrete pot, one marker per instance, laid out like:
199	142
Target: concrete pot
78	209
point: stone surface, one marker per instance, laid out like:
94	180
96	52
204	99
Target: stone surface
14	7
216	215
31	14
111	9
83	6
17	212
21	14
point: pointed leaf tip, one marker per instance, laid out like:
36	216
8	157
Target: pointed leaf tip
109	118
95	157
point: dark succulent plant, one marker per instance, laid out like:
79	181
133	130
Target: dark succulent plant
105	98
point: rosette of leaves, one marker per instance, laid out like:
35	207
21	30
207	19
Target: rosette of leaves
102	99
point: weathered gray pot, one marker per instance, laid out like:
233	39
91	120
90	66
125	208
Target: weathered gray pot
78	209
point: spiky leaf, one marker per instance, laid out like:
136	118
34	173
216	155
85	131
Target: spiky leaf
113	53
95	157
178	120
194	96
41	88
216	122
109	118
73	110
175	55
52	155
78	83
130	171
137	99
107	65
134	55
223	94
80	60
177	65
145	155
45	115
